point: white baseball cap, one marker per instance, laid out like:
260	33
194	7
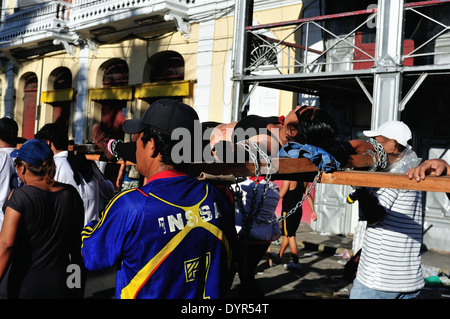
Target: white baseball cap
395	130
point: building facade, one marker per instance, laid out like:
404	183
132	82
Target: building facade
82	62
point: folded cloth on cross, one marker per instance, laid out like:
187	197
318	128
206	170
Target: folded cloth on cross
323	160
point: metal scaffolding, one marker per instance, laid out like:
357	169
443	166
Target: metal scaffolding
378	73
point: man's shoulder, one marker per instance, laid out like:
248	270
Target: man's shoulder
61	154
7	165
5	152
129	197
175	188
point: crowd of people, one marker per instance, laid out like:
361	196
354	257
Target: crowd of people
173	235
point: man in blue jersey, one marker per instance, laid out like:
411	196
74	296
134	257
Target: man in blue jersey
173	237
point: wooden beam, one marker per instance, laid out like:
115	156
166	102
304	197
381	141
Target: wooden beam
304	169
390	180
87	149
97	157
280	166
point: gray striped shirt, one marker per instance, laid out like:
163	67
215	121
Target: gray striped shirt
390	257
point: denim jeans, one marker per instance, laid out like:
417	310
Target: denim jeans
360	291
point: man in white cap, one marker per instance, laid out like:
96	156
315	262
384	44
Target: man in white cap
390	263
394	135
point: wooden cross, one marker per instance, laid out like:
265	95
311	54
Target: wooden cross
303	169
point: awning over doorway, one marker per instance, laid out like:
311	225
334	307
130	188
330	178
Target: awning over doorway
158	89
111	93
147	90
62	95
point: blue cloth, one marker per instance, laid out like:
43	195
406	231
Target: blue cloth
323	160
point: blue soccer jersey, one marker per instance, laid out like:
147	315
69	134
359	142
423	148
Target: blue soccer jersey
172	238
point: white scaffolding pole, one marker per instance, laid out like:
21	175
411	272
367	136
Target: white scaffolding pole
388	62
241	12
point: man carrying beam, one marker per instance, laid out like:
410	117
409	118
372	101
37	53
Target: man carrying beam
390	263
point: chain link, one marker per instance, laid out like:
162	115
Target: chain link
382	159
248	217
300	203
113	148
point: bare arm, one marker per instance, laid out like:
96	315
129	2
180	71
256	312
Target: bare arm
360	146
311	204
284	188
120	175
7	237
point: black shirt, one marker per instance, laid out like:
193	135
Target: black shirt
47	242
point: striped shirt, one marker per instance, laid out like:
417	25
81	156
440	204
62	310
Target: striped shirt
390	257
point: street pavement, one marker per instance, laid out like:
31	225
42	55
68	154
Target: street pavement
322	259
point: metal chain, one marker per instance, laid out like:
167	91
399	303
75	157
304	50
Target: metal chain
374	159
300	203
381	154
381	163
113	148
248	217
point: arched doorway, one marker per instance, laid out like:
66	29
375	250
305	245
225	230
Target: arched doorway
115	75
165	66
61	109
29	106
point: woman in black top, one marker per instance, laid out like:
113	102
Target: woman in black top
291	192
41	233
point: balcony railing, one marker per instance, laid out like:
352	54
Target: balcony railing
27	26
89	11
40	18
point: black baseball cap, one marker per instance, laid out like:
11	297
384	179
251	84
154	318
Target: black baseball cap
165	115
8	130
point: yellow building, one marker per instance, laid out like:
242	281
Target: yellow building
80	62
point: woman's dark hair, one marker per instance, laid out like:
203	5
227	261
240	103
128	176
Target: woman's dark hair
317	128
46	170
164	145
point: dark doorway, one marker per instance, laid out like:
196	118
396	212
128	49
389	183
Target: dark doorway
29	106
